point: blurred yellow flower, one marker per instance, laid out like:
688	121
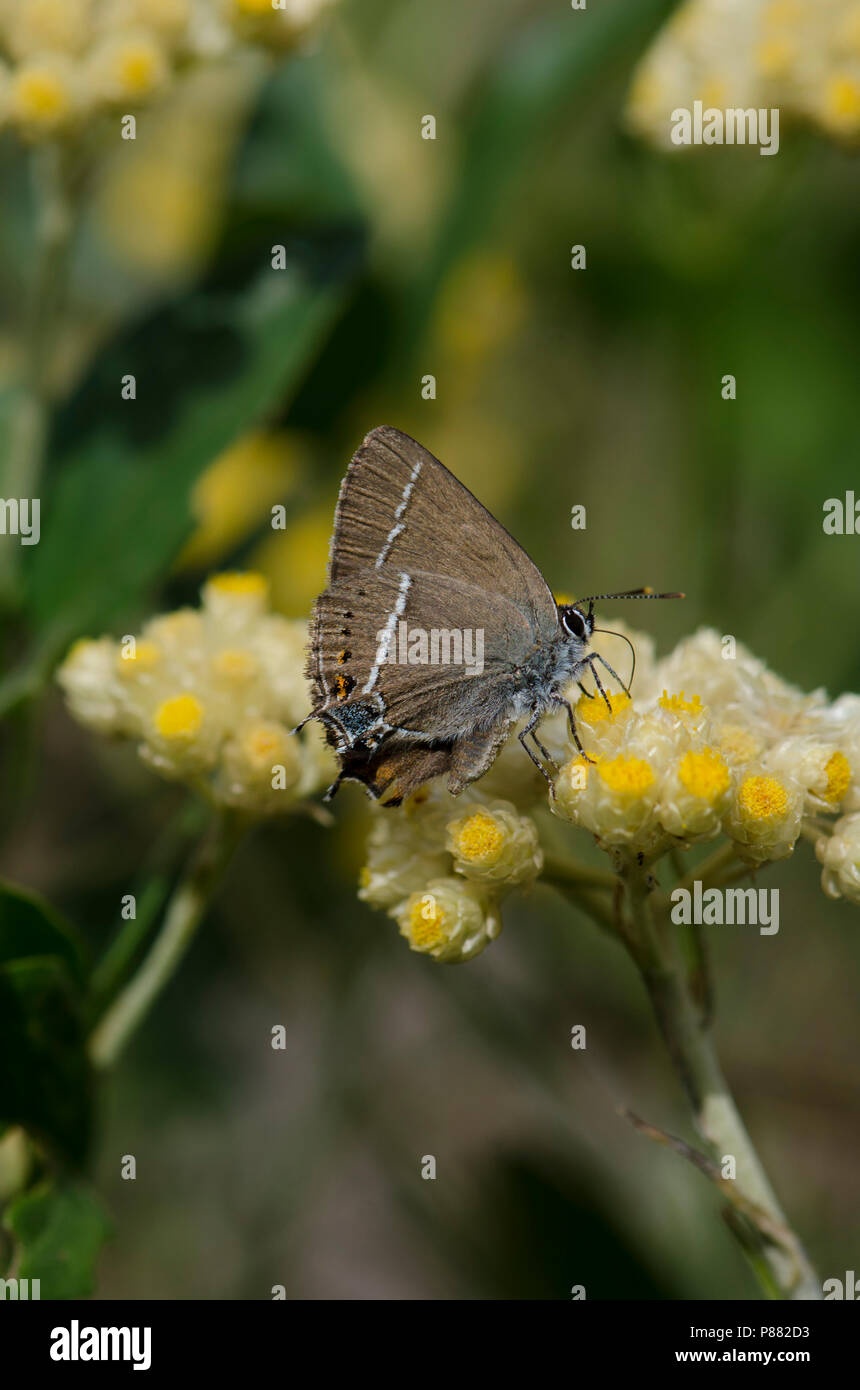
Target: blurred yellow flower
43	94
482	305
127	67
37	27
180	717
296	558
129	50
236	492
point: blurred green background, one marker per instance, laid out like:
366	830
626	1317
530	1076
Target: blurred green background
554	387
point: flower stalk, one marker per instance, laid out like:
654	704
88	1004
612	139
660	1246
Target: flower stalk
184	913
776	1254
28	431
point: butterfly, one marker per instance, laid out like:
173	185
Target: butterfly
417	563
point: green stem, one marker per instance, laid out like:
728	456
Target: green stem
592	904
563	871
706	871
22	466
715	1115
184	913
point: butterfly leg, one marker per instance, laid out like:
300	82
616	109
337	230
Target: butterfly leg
571	724
331	791
523	734
595	656
544	752
589	695
599	685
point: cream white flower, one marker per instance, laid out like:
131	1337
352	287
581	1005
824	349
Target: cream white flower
45	94
803	59
449	919
712	743
278	27
167	20
819	767
72	59
88	678
127	67
259	764
204	694
614	797
695	795
493	844
33	28
839	724
839	853
764	815
405	849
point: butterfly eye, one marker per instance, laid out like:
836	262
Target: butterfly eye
573	622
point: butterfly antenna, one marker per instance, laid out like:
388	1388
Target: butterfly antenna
625	593
610	633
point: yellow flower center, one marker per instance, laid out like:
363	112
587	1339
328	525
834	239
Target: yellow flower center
843	98
239	583
181	626
838	771
235	666
142	657
263	744
676	704
596	710
762	798
775	56
40	96
254	6
704	775
137	69
479	838
179	717
426	922
626	776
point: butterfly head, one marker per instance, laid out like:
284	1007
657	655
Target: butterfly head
576	623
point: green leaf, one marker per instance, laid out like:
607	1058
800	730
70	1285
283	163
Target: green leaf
60	1229
117	516
31	927
544	71
45	1078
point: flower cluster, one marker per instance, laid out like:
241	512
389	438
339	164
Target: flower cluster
441	866
210	695
64	61
801	58
714	744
